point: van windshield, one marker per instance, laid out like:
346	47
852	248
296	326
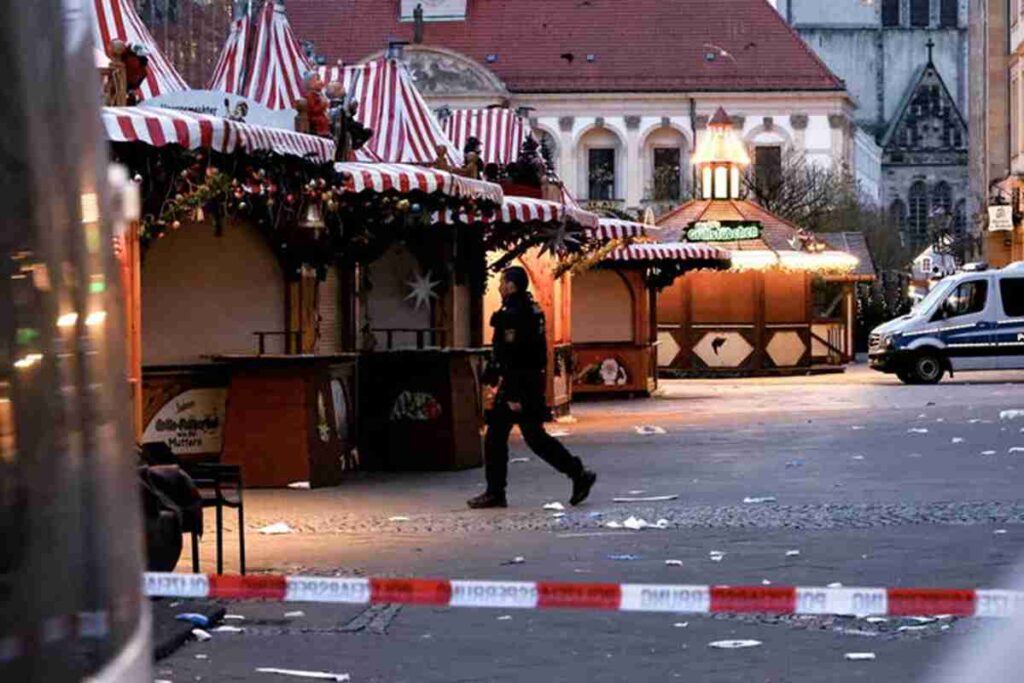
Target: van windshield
926	304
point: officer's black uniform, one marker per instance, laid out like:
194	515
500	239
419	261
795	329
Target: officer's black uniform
520	361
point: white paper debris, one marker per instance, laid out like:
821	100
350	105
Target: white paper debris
637	492
645	499
398	519
902	629
792	553
635	524
613	525
300	485
876	620
716	555
734	644
276	529
229	629
999	532
202	656
958	439
857	457
1011	414
923	620
752	500
233	617
860	656
856	428
518	559
515	460
505	617
318	675
556	506
835	585
917	430
557	515
649	429
765	582
673	563
974	420
988	452
921	416
681	624
294	615
201	635
1016	449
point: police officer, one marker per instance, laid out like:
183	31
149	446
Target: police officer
518	368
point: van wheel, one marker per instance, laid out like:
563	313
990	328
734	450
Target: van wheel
905	376
927	369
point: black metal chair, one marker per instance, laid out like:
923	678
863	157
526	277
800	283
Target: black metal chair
214	480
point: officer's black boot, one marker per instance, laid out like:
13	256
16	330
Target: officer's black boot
487	500
581	486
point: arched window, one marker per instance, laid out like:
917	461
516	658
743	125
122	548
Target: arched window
890	12
917	215
898	214
549	148
949	14
920	11
942	199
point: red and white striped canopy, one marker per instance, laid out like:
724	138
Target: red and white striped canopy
670	251
405	130
160	127
364	177
617	229
529	210
278	63
501	132
117	20
230	73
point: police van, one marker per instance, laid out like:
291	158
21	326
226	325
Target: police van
973	320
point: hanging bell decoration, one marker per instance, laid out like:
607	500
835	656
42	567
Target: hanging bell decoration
313	220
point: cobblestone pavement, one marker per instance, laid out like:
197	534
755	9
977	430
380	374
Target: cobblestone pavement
875	483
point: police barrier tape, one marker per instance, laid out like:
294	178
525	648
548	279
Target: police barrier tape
624	597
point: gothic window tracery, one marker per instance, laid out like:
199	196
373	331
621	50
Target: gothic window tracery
917	219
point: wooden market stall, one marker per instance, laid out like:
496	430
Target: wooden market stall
764	314
614	307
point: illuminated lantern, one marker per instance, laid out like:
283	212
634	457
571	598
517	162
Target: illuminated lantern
720	159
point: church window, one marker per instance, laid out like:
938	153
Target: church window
890	12
960	217
768	168
920	11
948	14
898	214
942	198
601	170
917	219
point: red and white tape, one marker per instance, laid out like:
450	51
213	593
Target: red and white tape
624	597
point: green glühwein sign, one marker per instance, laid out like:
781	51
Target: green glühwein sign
723	231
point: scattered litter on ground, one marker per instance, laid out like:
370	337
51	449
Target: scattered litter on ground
623	558
234	617
857	428
765	582
681	624
958	439
876	620
229	629
921	416
921	627
1016	449
734	644
613	525
295	673
505	617
917	430
516	560
556	506
856	632
566	420
161	680
1011	414
673	563
751	500
792	553
277	528
988	452
398	519
857	457
294	615
558	515
649	429
202	656
193	618
645	499
923	620
716	555
940	419
635	523
999	532
835	584
515	460
637	492
201	635
301	485
174	604
860	656
558	433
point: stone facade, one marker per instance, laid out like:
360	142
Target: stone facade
881	51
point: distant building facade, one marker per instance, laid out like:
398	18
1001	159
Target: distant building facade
905	64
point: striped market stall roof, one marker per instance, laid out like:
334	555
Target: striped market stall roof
618	229
678	251
404	178
118	20
529	210
501	132
278	63
230	73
